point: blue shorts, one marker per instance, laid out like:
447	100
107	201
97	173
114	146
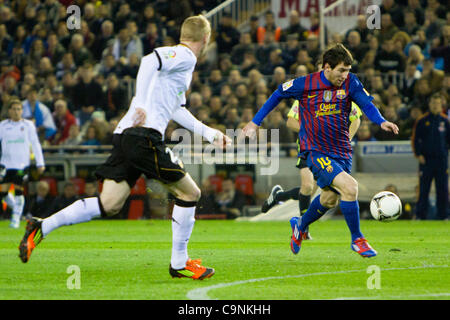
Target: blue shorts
326	168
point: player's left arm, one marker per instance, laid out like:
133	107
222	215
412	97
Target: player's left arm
355	120
187	120
36	146
364	101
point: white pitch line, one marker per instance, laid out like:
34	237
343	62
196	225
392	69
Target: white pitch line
202	293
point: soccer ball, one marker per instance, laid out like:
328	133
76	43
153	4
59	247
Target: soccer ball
385	206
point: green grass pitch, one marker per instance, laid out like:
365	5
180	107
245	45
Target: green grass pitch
253	261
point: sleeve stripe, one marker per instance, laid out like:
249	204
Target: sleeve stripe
159	59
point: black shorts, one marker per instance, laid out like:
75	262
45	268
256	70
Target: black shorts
301	162
15	176
140	151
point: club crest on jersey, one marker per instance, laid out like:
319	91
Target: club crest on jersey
340	94
327	95
287	85
170	54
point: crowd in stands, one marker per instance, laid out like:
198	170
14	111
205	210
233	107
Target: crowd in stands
75	83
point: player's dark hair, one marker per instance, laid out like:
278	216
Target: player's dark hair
336	55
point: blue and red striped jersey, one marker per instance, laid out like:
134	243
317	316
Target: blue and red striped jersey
324	111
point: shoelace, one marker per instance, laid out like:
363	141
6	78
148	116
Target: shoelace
362	243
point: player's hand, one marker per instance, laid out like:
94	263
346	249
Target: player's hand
221	140
421	159
249	131
139	117
389	126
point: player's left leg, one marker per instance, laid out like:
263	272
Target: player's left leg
441	182
187	194
19	203
347	186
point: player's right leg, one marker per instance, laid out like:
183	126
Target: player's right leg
110	201
187	194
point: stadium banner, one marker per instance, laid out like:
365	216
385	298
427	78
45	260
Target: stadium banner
383	148
340	19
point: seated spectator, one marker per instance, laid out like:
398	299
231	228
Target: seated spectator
303	58
232	119
387	60
91	99
125	44
74	138
66	65
276	121
116	98
433	75
130	70
215	81
295	28
107	139
90	189
269	19
278	77
364	132
40	113
79	52
109	65
68	196
275	60
243	96
422	93
227	35
245	45
390	114
207	202
92	137
40	204
64	120
230	201
104	40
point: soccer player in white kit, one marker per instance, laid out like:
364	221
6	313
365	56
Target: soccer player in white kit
162	80
16	135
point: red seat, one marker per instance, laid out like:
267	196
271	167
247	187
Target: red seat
136	209
140	188
79	184
52	184
244	183
216	182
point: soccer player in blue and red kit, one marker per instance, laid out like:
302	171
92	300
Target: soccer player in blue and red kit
325	103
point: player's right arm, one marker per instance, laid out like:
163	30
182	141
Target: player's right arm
290	89
36	146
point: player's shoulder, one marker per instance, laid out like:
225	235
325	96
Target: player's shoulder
29	123
178	52
423	117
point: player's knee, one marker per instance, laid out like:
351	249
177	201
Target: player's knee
350	189
328	200
110	207
193	194
307	188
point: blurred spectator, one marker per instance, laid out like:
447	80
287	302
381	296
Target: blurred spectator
249	63
34	109
364	133
388	29
109	65
276	121
431	141
92	137
88	36
234	79
130	69
10	86
433	75
123	15
7	18
195	102
312	46
387	60
245	45
406	125
361	28
215	105
275	60
303	58
254	25
411	26
74	138
247	114
79	52
64	120
409	80
225	64
314	28
115	97
416	6
278	77
415	56
66	65
45	68
422	93
68	196
206	93
390	114
301	71
356	47
91	99
441	49
125	44
269	20
104	40
432	24
90	189
55	50
227	35
107	139
291	49
232	119
207	202
295	28
216	81
243	96
148	17
5	39
40	204
396	12
151	38
230	201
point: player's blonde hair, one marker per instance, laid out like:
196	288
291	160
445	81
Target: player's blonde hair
195	28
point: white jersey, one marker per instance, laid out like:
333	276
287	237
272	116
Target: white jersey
163	78
16	137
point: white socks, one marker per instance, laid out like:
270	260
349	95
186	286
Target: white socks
19	202
82	210
183	219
